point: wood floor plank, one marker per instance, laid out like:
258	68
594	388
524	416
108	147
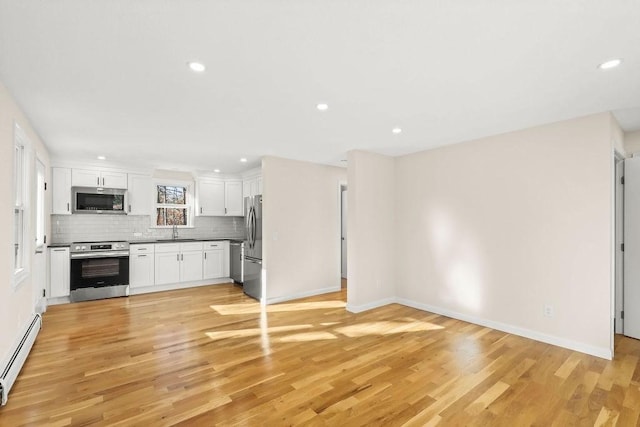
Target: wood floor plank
212	356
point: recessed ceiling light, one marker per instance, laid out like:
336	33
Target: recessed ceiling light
196	66
243	160
612	63
322	107
396	130
216	170
101	158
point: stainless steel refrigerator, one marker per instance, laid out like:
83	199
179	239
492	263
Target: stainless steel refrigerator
253	247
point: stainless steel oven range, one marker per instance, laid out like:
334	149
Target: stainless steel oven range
99	270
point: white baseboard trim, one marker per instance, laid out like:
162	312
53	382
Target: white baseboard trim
306	294
602	352
371	305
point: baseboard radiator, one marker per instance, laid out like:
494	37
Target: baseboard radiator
12	368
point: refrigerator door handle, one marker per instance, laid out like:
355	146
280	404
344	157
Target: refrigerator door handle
253	228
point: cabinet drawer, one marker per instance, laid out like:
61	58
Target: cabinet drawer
167	247
191	246
219	244
141	249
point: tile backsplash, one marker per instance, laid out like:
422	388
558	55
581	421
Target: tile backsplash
90	228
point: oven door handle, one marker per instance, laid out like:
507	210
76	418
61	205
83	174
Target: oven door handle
116	254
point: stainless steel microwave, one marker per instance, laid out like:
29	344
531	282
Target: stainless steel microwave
98	200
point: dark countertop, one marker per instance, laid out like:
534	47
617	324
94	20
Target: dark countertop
153	241
183	240
59	245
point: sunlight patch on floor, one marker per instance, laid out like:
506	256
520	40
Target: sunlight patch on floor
253	308
386	328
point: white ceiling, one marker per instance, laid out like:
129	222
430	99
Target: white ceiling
110	77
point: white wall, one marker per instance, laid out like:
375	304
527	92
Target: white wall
371	227
301	228
16	305
492	230
632	142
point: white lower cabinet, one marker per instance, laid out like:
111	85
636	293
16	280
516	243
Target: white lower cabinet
178	262
141	266
216	260
167	268
59	271
191	266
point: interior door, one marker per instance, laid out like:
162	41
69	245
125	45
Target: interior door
343	232
632	247
40	258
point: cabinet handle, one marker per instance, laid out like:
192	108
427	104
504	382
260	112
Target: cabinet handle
103	182
141	249
205	255
200	209
181	257
67	207
142	256
59	250
129	208
98	181
178	257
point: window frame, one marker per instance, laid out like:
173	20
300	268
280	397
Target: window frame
21	203
189	202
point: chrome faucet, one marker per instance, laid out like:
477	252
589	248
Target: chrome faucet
175	232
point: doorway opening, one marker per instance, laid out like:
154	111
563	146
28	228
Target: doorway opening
343	236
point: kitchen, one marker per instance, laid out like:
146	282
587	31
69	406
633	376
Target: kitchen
113	233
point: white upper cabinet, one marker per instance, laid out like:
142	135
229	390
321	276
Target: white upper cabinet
210	198
233	198
139	194
96	178
61	189
217	197
252	186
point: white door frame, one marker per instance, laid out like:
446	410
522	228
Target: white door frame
618	258
341	185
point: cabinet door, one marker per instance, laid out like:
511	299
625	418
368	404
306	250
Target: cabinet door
85	178
246	188
226	259
233	198
61	189
214	264
139	194
59	269
167	268
141	270
113	180
191	268
259	186
211	198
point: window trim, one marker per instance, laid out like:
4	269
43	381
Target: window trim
21	200
189	205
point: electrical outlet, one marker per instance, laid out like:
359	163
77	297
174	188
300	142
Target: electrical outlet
548	310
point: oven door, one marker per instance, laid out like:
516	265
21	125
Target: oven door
97	271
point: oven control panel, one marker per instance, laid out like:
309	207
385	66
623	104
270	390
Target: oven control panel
99	246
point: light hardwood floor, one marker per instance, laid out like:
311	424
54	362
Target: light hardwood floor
209	356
